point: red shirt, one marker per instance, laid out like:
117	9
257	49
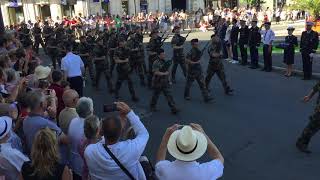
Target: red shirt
59	92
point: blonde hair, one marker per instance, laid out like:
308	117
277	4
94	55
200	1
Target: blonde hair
44	153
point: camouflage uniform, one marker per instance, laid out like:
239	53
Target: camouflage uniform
160	84
47	33
178	55
195	73
52	49
112	45
313	126
153	46
85	54
123	69
102	66
136	57
216	65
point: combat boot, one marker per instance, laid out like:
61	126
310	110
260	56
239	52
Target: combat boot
228	91
208	99
175	110
302	147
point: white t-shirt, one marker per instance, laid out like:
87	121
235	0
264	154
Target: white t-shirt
166	170
72	64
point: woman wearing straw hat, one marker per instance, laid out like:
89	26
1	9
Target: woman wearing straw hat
288	56
187	145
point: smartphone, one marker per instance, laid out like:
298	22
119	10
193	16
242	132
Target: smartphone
110	108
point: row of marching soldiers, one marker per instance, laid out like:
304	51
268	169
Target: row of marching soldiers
125	52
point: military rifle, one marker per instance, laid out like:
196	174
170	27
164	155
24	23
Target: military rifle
204	48
188	34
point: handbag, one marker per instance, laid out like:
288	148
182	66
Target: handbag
124	169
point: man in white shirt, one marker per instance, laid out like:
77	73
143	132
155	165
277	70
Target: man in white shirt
187	145
268	38
100	163
73	68
76	135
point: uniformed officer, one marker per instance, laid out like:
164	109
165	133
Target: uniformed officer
153	46
178	54
47	32
112	45
136	56
254	43
314	124
123	68
139	36
243	41
52	48
234	39
100	60
309	44
195	71
85	53
24	35
123	34
268	38
160	82
216	65
37	38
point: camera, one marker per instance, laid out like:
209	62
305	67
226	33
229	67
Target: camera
110	108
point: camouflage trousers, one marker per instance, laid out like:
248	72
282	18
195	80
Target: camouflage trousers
106	73
151	60
138	67
310	130
178	61
88	65
166	92
200	80
219	70
120	79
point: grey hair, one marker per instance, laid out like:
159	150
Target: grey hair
11	75
35	98
91	126
84	107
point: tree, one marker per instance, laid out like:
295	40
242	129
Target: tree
313	6
253	3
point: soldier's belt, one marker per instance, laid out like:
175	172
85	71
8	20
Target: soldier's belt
152	53
178	47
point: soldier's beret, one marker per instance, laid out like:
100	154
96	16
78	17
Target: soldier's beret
194	40
160	51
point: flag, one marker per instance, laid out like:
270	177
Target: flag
13	3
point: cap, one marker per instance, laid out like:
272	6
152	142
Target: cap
290	27
160	51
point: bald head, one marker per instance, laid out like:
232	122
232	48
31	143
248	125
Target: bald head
70	98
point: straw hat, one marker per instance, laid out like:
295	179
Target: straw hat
42	72
5	126
187	144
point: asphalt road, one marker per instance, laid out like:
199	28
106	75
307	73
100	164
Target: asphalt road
255	129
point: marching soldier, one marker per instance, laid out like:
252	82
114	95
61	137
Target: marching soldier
52	49
216	64
195	71
313	126
243	41
123	68
254	43
139	37
24	34
160	83
47	32
153	47
178	54
85	54
136	56
112	45
122	34
309	44
101	63
37	38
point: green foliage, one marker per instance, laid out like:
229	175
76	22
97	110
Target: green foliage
254	3
313	6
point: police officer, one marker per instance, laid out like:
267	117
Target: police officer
314	124
37	38
254	43
309	44
85	53
215	64
100	60
153	46
243	41
123	68
195	71
160	83
136	56
112	45
178	54
234	39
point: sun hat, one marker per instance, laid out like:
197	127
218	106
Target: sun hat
42	72
187	144
5	126
290	27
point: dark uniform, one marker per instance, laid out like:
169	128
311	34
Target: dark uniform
178	55
136	57
85	52
100	60
37	39
160	84
52	48
313	126
47	32
243	42
288	55
24	35
112	45
153	46
234	41
309	44
195	73
123	69
216	65
254	43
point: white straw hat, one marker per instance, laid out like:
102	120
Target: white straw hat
42	72
5	126
187	144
